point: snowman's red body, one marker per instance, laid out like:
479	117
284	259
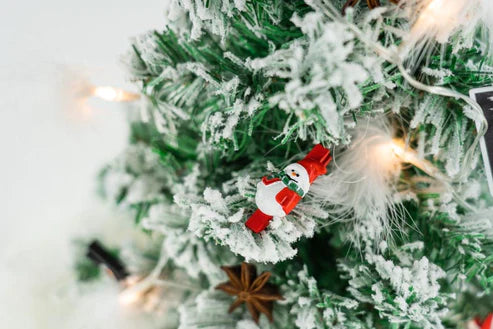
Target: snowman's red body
278	195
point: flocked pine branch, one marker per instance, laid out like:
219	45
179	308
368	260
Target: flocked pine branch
229	86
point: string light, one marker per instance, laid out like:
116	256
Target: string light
451	11
133	292
438	19
77	91
137	290
395	152
112	94
147	293
408	155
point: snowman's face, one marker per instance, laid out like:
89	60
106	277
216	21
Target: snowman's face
298	174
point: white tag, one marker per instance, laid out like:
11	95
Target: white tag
484	97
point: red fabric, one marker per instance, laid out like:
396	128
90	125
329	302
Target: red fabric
487	324
288	199
316	162
258	221
267	181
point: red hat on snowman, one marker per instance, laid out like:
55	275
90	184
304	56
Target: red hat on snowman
315	162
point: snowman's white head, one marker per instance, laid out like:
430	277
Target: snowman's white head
298	174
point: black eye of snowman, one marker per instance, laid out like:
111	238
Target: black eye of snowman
293	174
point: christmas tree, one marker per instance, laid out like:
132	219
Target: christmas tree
309	164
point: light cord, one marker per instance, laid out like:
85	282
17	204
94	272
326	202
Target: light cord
154	279
393	57
481	126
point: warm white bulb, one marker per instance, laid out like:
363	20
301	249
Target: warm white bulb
408	155
438	19
442	15
106	93
383	154
113	94
132	293
394	152
129	297
435	6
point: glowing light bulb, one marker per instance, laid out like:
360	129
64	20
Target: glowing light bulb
395	152
408	155
434	6
385	155
129	297
404	153
134	291
440	14
399	148
112	94
440	18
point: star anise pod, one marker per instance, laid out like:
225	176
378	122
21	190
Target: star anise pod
255	292
371	4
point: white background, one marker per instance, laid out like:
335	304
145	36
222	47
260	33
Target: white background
51	151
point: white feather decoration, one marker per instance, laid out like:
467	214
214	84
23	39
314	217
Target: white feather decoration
362	182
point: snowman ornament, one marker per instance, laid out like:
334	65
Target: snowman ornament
278	194
477	324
